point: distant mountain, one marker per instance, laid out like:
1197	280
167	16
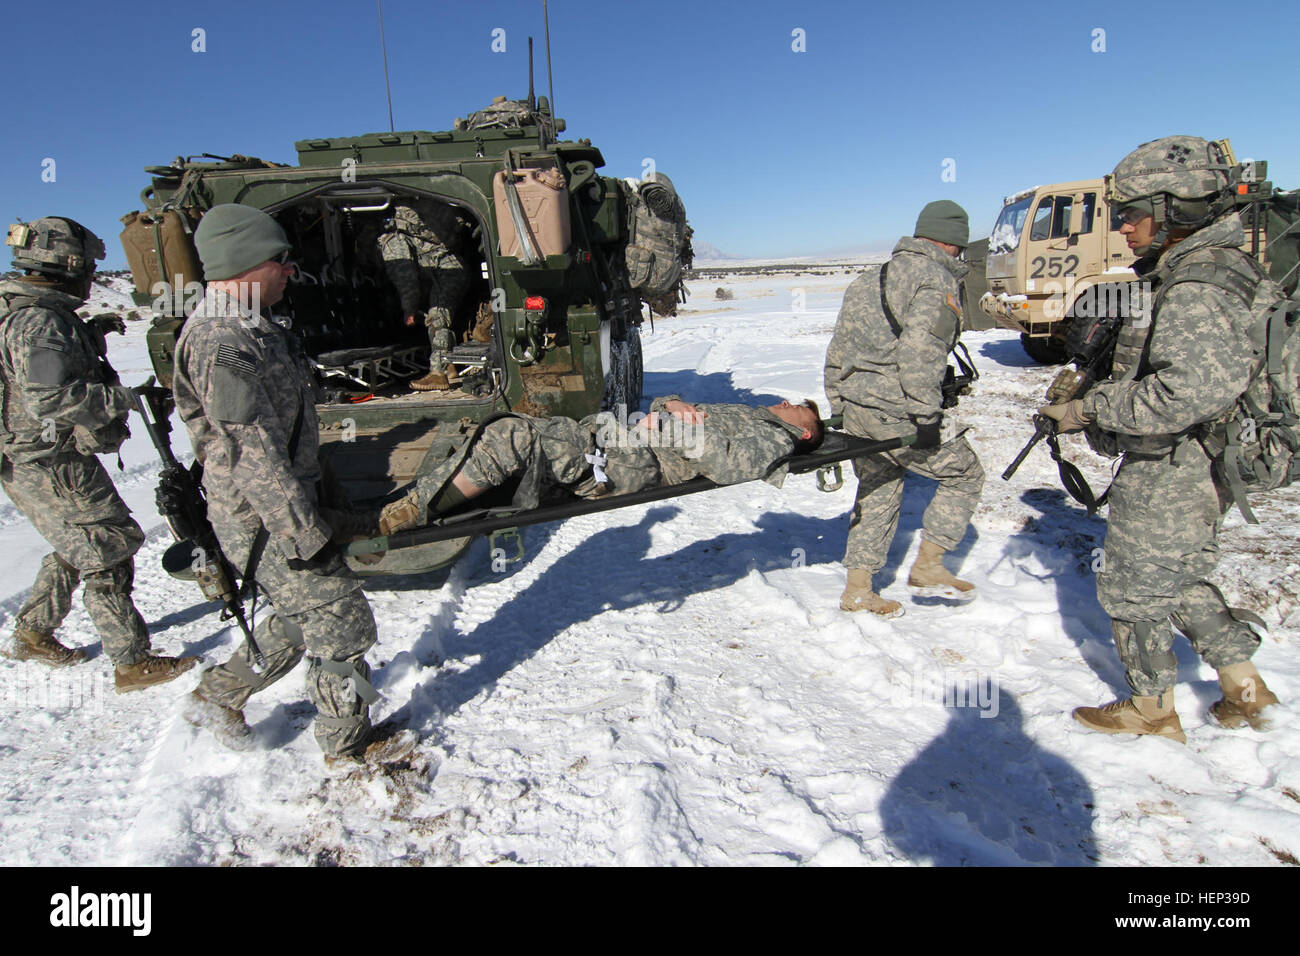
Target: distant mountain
705	250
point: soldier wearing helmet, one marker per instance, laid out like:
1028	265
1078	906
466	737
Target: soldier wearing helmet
1180	363
61	404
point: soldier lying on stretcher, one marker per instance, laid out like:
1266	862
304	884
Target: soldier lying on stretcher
600	455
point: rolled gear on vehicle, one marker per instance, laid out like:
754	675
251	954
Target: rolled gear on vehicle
507	114
659	243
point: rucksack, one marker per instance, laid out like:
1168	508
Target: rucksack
659	243
1256	445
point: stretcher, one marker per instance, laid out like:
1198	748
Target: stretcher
837	447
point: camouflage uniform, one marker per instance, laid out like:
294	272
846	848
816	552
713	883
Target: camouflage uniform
245	395
419	248
882	383
735	443
62	403
1187	365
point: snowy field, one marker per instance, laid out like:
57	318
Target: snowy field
675	684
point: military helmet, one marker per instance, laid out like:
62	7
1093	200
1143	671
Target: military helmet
55	246
1183	181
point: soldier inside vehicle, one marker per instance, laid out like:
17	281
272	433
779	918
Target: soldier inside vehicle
389	287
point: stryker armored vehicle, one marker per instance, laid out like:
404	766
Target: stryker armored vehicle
1057	248
559	259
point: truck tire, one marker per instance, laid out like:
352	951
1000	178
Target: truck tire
626	376
1045	351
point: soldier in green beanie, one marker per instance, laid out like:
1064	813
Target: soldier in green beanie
245	392
884	373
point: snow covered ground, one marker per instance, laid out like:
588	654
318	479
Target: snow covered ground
674	683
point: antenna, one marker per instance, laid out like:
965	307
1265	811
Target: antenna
532	100
383	45
550	85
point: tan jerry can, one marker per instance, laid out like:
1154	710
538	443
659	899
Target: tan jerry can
545	202
159	247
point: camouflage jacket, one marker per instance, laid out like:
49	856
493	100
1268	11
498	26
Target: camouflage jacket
735	443
897	376
242	388
1187	364
57	390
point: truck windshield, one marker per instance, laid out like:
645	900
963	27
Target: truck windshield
1006	233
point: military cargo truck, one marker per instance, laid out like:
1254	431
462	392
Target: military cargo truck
1057	248
560	259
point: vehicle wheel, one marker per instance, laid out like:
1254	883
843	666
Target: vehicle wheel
635	368
1047	351
625	379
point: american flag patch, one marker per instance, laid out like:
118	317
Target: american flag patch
231	357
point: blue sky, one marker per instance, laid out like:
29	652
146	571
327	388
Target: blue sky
775	152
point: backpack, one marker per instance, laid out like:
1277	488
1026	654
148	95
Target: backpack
1256	445
659	242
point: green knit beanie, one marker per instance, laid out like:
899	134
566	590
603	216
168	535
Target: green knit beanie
943	221
233	238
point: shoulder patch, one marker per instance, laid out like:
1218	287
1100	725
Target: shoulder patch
231	357
954	304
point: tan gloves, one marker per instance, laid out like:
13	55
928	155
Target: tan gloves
400	515
1069	416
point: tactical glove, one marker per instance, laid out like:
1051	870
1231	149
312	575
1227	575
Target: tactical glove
1069	416
927	433
325	561
349	526
107	322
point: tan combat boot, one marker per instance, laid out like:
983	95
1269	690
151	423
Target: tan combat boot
1244	695
387	745
148	671
225	723
858	596
433	382
29	645
1135	715
929	578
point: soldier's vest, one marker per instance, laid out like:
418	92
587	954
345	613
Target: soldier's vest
1256	445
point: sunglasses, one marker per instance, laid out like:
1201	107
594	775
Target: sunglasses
1133	215
285	258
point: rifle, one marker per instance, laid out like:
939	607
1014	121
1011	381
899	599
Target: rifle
1091	345
180	501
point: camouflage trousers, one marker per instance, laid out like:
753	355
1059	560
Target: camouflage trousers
880	496
1161	545
318	612
447	288
71	501
510	447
